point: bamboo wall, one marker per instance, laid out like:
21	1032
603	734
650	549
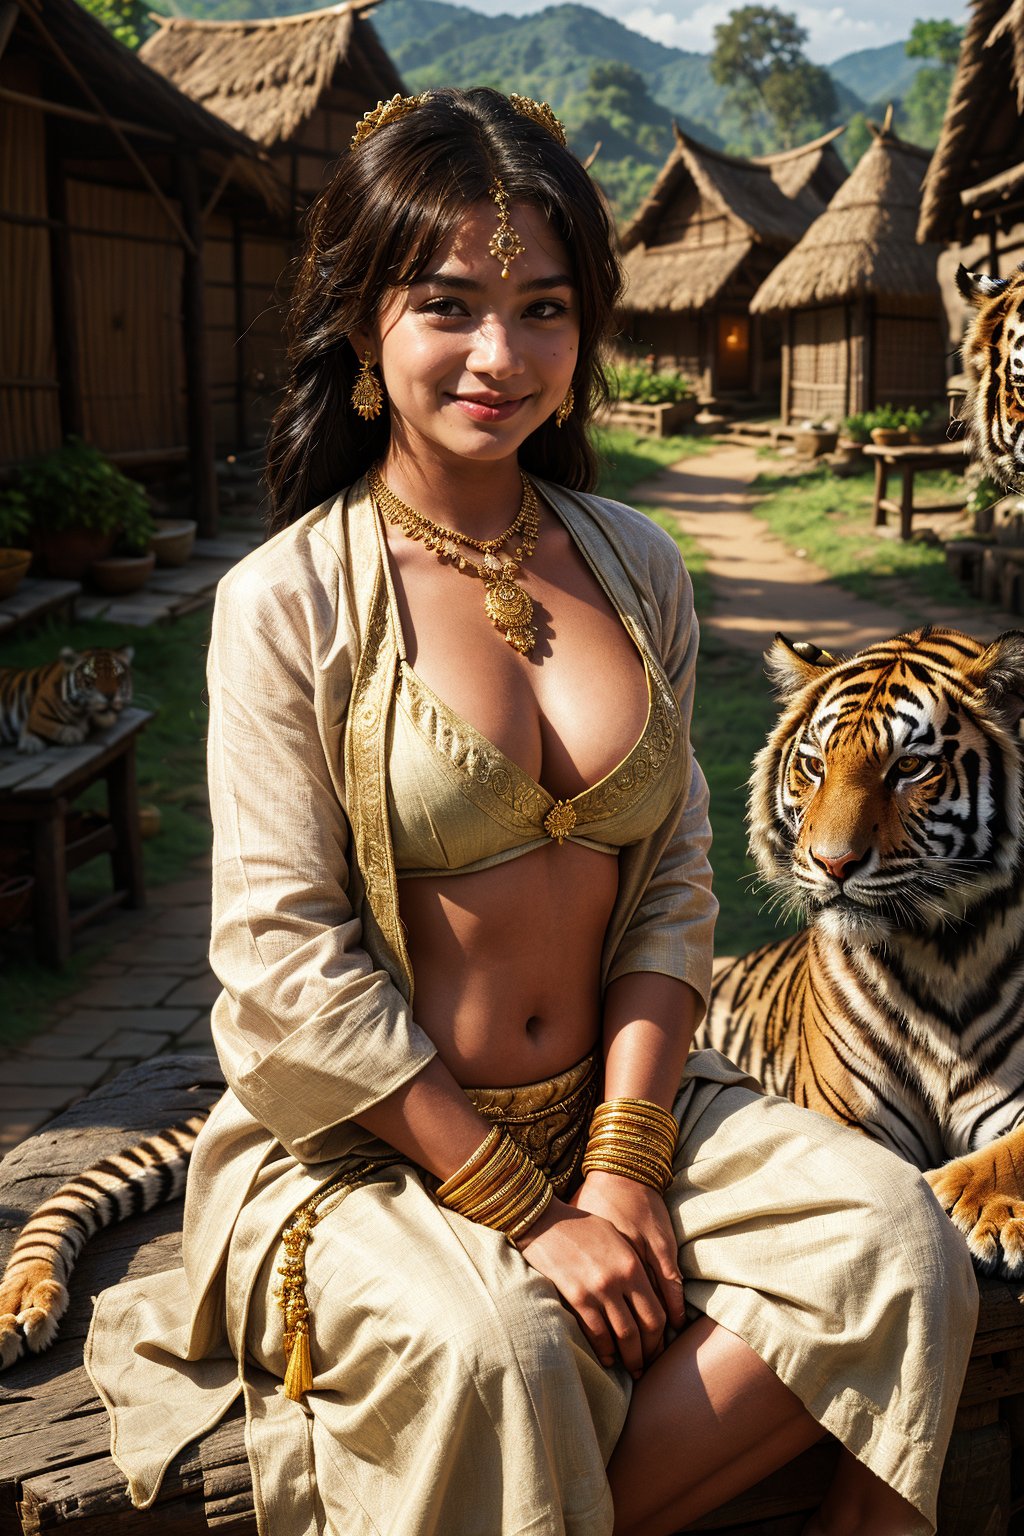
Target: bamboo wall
819	365
127	266
843	359
246	292
29	399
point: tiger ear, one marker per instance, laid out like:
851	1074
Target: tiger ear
976	287
999	674
792	664
127	654
68	657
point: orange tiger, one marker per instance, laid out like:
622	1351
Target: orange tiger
65	699
887	804
992	354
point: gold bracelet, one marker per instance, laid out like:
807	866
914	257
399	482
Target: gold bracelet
633	1138
504	1190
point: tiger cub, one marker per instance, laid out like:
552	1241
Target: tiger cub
65	699
992	353
887	804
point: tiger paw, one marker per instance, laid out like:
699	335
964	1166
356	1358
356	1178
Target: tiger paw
29	1316
993	1223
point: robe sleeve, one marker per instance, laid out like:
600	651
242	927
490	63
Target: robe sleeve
309	1031
671	929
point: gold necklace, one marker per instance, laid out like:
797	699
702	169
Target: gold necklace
506	604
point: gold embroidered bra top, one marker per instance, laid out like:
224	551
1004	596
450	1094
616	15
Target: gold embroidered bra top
457	803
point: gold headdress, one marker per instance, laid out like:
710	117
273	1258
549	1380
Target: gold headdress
505	245
385	112
399	106
540	113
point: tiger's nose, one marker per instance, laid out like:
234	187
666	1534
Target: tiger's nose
841	867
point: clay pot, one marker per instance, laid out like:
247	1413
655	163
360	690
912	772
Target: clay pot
812	442
68	554
119	574
172	540
14	563
889	437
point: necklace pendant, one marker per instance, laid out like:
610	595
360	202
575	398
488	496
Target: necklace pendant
492	565
509	608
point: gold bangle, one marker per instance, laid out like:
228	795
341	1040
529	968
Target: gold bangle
483	1151
634	1139
504	1190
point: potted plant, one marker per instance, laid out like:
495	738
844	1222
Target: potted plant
659	403
919	425
887	426
813	438
131	563
15	526
80	505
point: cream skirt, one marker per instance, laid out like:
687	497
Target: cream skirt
454	1395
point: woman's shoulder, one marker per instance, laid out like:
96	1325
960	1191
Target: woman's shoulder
644	548
300	560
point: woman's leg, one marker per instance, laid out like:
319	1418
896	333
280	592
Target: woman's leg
710	1419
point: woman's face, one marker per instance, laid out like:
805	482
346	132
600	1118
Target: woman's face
473	362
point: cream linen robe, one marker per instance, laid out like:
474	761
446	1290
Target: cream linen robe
315	1022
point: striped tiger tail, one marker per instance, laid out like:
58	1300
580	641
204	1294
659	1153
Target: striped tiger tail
33	1289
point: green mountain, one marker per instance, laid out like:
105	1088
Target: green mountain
876	75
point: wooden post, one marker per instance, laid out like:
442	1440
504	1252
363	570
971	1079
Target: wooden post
881	486
848	363
8	16
198	404
993	251
786	383
62	289
868	351
238	279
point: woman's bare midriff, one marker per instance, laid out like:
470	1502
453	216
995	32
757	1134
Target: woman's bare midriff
507	962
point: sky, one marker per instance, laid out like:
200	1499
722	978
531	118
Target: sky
833	29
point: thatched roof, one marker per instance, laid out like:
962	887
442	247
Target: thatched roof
766	202
268	77
982	136
72	41
864	242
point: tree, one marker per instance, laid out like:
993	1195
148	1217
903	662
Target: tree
128	20
759	62
925	101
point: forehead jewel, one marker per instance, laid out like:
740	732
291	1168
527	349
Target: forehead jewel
400	106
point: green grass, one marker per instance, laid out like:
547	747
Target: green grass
168	672
627	459
830	518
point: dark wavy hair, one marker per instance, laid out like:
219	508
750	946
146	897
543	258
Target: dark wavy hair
393	202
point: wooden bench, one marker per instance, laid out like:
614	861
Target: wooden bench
55	1469
34	599
907	461
37	793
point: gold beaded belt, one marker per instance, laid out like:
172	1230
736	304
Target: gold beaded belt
549	1120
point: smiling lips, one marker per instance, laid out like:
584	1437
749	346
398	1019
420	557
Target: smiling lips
489	408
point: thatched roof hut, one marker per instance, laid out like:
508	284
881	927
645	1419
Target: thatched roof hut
975	184
107	174
860	296
296	84
708	233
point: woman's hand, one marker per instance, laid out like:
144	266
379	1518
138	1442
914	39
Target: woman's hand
603	1278
640	1214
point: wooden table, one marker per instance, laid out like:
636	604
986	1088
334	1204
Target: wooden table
37	791
33	599
907	460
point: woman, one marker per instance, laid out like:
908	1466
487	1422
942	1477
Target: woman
449	741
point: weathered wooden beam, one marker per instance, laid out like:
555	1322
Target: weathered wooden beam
62	291
8	16
198	399
76	114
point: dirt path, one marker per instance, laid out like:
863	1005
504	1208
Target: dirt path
758	585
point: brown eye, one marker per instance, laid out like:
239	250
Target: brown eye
813	766
910	764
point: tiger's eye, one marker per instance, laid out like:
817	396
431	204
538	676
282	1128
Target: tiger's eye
909	764
812	765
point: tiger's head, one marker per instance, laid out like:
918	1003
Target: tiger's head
992	353
100	680
888	799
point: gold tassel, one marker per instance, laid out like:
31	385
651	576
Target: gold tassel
298	1378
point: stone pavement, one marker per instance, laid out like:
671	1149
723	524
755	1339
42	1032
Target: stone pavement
153	988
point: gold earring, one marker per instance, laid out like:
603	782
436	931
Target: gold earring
367	395
565	409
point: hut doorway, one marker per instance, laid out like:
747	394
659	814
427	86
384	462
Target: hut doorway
733	350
